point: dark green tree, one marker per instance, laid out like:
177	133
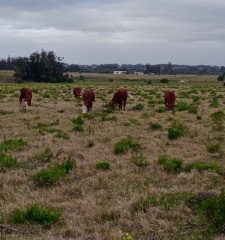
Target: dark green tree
41	67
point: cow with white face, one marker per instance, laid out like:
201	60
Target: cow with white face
25	96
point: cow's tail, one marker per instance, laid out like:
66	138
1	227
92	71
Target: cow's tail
130	96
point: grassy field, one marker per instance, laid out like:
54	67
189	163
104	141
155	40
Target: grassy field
142	174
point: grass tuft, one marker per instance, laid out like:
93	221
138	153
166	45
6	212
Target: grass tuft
125	144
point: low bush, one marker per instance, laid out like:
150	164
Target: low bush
155	126
102	165
177	130
139	106
6	161
201	166
125	144
35	214
213	147
13	144
171	164
51	175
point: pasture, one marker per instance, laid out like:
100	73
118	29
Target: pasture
141	174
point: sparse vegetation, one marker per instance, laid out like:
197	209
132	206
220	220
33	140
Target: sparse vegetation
135	195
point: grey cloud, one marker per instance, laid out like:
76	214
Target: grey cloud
105	31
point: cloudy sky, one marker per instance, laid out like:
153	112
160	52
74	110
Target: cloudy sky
117	31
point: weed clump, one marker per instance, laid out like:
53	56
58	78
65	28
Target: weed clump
139	106
213	147
35	214
6	161
217	120
201	166
49	176
171	164
125	144
102	165
78	124
13	144
213	207
155	126
177	130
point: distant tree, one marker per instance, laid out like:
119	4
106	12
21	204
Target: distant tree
168	68
41	67
156	69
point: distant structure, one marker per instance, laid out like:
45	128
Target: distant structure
119	72
138	73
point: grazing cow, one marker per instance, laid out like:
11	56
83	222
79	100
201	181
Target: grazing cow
25	96
88	98
120	98
77	92
170	98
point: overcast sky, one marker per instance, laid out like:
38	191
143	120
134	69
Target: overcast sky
117	31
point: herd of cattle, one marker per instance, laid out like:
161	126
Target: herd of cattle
119	98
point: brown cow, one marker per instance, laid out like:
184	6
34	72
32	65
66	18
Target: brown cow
77	92
170	98
120	98
88	98
25	96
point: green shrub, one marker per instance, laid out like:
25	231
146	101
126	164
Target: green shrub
13	144
78	124
78	128
161	109
213	207
213	147
51	175
164	80
155	126
217	120
125	144
78	120
6	161
201	166
170	200
192	108
177	130
139	106
2	112
102	165
35	214
170	164
214	103
181	106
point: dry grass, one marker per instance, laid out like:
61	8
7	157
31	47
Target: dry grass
97	204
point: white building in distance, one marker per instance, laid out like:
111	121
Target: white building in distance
119	72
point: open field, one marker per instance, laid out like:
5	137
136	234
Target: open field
112	190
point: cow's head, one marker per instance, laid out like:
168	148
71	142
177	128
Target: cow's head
25	103
84	109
